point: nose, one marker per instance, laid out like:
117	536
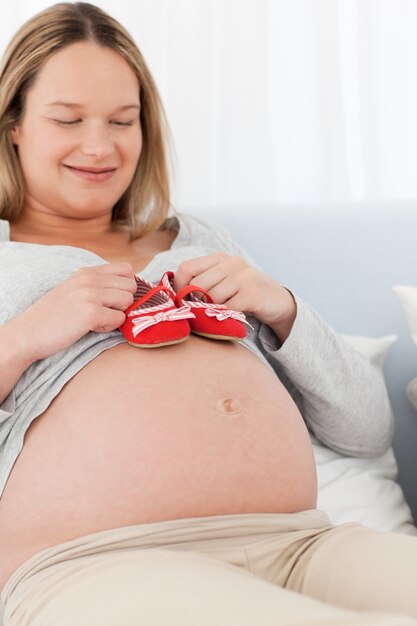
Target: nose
97	142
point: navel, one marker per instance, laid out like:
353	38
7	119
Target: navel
229	406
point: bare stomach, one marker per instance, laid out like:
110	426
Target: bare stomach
138	436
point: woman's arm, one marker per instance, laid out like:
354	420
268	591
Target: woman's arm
92	299
14	357
341	395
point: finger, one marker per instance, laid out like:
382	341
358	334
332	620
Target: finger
220	286
236	303
193	268
223	291
121	268
108	320
113	281
104	277
211	277
116	299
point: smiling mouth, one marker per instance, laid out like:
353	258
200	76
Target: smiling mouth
92	170
92	174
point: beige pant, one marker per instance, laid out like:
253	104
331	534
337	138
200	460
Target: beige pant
231	570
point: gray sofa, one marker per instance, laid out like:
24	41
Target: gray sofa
344	260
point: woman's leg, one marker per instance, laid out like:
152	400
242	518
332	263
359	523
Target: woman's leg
357	567
157	587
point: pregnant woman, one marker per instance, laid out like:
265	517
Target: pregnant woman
149	484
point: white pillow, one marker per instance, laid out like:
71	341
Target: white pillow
408	298
412	392
363	490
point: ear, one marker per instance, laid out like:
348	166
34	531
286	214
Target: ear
15	134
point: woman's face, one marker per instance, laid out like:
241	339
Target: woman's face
80	138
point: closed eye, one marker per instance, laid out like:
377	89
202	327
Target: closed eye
122	123
65	123
73	122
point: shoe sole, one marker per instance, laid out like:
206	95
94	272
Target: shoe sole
157	345
219	337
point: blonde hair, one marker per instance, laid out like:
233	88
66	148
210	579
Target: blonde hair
145	204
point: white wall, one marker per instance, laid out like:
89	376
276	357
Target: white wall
311	101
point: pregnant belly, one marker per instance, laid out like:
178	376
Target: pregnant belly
137	436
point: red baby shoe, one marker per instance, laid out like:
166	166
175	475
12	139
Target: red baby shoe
210	320
154	319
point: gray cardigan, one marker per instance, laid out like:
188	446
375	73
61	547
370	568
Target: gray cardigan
341	396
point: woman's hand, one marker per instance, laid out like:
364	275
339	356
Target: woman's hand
233	282
92	299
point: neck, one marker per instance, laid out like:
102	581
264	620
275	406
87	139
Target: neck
58	229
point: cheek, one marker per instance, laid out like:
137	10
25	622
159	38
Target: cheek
130	158
42	149
136	149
